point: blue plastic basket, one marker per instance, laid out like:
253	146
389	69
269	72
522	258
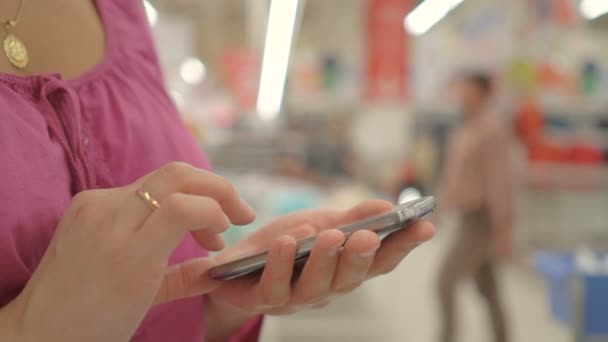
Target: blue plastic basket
595	305
559	272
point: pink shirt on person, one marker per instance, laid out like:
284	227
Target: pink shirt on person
104	129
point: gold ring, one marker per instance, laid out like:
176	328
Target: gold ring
150	201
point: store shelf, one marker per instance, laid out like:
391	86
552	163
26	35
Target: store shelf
563	207
244	157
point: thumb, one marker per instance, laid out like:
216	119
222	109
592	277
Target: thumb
366	210
185	280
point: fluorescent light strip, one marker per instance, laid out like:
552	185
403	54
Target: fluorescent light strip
427	14
591	9
151	13
277	49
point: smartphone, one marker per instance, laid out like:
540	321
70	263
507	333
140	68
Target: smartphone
402	216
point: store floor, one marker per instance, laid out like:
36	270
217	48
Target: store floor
401	307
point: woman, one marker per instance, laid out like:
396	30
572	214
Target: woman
85	113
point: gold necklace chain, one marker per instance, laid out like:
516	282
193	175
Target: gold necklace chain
14	48
10	24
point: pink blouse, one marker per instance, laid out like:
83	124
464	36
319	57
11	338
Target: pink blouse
104	129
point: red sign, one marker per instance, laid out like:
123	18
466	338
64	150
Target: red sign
565	13
241	70
387	66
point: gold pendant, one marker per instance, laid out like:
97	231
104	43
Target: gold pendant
15	51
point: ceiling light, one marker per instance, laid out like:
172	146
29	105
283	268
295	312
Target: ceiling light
192	70
427	14
277	49
591	9
151	13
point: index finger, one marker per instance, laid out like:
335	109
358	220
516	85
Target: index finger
180	177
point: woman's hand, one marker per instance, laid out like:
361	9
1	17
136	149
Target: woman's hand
328	272
107	263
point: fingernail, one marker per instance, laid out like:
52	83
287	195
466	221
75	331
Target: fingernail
367	254
287	250
333	251
246	205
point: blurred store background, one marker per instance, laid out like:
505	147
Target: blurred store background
307	103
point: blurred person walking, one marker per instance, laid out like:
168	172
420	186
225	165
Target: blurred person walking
477	183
